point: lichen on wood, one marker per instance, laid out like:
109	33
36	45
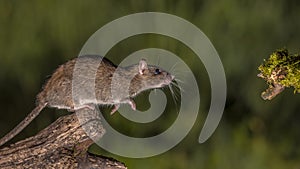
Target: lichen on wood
280	70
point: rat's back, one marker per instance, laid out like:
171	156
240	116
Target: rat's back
57	91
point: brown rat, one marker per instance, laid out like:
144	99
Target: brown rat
109	84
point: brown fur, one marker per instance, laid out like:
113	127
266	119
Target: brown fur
113	86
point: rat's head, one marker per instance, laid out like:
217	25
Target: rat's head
149	77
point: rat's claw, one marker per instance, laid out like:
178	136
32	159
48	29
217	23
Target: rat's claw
116	107
132	104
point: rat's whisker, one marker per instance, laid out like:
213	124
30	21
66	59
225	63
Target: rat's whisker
180	74
177	86
172	92
177	94
173	97
178	89
158	60
171	69
180	81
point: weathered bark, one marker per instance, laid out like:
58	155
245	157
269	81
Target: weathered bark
63	144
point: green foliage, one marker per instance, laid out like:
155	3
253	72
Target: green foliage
282	68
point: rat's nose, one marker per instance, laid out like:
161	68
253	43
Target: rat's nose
172	77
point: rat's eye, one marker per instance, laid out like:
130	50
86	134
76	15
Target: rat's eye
157	71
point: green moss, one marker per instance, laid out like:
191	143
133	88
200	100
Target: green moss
281	69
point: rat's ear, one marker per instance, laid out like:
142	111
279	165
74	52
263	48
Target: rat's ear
142	66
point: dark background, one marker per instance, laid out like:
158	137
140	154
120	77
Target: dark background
37	36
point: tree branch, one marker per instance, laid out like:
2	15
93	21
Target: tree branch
63	144
280	70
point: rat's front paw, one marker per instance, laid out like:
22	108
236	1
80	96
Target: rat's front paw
132	104
116	107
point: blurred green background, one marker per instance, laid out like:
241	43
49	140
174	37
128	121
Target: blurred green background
37	36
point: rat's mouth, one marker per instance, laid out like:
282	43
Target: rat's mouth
168	80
